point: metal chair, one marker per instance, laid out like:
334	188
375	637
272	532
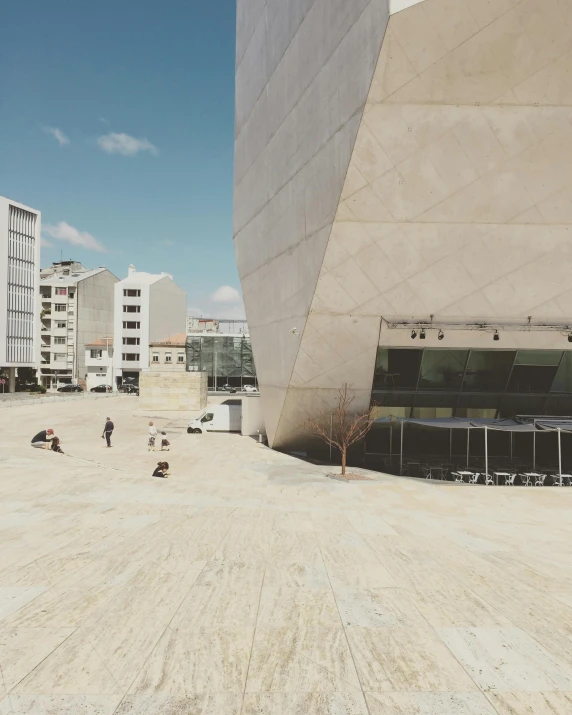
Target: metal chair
474	478
509	481
488	480
540	480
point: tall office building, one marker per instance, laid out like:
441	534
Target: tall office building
403	205
148	307
20	229
76	308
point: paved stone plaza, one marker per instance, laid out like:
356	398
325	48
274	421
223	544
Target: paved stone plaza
248	583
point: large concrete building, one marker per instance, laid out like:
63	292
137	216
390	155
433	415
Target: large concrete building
148	307
20	230
403	205
76	308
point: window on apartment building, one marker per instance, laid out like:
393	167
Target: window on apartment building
61	291
131	308
131	325
130	357
180	357
72	294
131	341
168	357
155	357
61	324
95	354
59	357
131	293
59	341
60	307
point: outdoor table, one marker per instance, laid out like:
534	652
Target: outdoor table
464	474
439	470
529	476
562	479
501	474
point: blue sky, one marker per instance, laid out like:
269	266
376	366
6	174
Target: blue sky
117	123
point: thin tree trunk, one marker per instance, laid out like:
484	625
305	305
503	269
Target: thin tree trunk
344	461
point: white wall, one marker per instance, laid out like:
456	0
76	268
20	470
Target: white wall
167	309
397	5
94	313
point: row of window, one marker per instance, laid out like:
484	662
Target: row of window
131	325
131	341
130	357
169	357
131	293
131	308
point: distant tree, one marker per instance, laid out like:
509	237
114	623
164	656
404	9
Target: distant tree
342	426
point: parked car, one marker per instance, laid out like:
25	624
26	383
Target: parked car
228	388
70	388
249	388
101	388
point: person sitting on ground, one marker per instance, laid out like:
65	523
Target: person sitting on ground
152	436
56	445
164	442
42	439
161	470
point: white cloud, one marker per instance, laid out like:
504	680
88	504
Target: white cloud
44	243
226	294
125	145
58	135
62	231
195	312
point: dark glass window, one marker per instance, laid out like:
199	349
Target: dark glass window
538	357
563	380
532	378
488	370
403	368
442	369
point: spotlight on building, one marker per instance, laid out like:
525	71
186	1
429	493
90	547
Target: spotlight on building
413	335
440	335
496	336
422	334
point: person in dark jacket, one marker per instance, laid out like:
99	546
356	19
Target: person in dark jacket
43	439
161	470
107	430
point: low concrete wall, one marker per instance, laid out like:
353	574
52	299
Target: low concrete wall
29	400
172	390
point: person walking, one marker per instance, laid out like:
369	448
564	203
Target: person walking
43	439
107	430
152	436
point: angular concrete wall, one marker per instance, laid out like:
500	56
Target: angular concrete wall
304	69
457	201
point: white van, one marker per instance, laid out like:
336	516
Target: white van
218	418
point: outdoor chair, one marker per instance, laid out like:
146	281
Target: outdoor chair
458	477
540	480
474	478
509	481
488	479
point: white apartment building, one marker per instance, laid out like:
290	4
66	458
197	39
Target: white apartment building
20	228
76	308
148	307
99	363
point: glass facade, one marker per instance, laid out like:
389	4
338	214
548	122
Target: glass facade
227	359
436	382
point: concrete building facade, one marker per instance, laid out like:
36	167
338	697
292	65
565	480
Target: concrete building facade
76	309
148	307
20	230
403	174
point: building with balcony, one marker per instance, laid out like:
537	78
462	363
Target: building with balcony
403	210
148	307
99	363
20	229
76	309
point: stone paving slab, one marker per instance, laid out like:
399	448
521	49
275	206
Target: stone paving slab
248	582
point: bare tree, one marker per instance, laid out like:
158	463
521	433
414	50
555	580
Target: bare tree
343	426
